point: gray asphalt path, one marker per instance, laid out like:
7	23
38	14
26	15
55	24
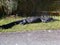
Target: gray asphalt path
31	38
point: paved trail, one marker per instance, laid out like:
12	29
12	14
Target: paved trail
31	38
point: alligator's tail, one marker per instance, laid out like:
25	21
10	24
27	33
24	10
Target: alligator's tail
10	25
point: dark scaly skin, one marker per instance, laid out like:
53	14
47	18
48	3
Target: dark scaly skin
27	21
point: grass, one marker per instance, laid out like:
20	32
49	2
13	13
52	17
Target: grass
55	25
